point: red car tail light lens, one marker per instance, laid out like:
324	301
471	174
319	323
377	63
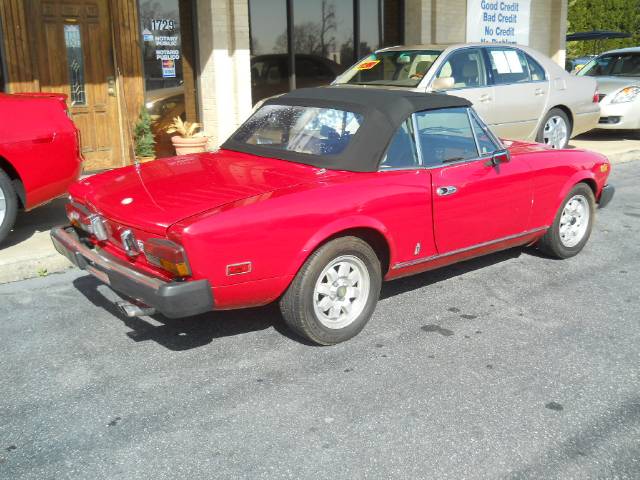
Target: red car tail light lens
91	223
596	96
167	255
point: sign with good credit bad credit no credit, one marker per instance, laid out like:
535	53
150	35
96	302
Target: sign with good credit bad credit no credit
498	21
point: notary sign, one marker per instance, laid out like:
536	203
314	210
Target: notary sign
498	21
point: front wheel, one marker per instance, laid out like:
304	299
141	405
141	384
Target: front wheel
555	130
335	292
572	225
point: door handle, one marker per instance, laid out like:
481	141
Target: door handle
485	97
539	91
449	190
111	86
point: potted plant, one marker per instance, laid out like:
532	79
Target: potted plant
189	139
143	138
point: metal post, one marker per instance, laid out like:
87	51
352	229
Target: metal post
291	47
356	30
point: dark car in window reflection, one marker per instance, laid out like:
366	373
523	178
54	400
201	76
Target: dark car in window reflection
270	73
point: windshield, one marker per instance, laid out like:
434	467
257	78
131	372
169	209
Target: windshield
311	130
393	68
613	64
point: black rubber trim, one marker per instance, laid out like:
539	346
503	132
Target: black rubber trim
607	194
172	299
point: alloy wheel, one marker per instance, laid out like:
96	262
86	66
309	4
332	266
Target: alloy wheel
3	206
574	221
555	132
341	292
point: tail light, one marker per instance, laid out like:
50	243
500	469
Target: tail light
596	96
91	223
167	255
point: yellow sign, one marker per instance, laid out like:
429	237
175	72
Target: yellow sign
367	64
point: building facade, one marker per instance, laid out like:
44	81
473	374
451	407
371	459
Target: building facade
211	60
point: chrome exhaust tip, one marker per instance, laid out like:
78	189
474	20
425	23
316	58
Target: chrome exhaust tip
131	310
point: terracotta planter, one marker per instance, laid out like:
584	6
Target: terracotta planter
185	146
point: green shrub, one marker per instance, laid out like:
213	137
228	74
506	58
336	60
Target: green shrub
143	137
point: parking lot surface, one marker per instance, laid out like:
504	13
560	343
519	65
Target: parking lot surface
508	366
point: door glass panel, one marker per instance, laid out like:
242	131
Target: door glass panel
445	136
484	141
402	150
508	66
537	72
75	64
466	66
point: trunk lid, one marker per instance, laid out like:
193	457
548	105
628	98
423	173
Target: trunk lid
608	85
155	195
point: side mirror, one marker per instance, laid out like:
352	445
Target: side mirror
501	156
442	83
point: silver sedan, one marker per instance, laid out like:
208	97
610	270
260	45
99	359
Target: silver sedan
520	93
618	76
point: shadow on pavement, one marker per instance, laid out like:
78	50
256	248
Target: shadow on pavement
40	219
192	332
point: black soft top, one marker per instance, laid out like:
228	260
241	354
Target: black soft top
383	111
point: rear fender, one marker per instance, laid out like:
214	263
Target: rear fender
335	228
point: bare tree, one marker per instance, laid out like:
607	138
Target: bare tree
327	24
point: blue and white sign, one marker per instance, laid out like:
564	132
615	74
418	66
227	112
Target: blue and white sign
494	21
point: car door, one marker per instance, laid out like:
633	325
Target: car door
465	69
521	90
474	200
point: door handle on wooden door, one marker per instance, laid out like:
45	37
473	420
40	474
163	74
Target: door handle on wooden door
111	86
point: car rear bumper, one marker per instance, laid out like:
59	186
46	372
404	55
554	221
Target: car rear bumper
606	195
619	116
172	299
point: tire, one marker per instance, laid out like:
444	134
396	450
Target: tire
555	135
559	242
316	294
8	205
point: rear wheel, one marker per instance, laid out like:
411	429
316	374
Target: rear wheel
335	292
572	225
555	130
8	205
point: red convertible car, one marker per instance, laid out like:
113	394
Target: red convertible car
320	196
39	153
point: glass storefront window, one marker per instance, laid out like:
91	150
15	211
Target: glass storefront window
324	39
165	67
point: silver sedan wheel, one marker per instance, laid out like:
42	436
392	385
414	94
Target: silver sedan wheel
3	206
555	132
341	292
574	221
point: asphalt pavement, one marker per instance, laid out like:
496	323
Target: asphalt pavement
509	366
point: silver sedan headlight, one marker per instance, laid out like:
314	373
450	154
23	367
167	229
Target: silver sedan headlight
627	94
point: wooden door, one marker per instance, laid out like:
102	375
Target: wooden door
75	56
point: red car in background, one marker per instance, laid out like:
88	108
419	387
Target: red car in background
320	196
39	153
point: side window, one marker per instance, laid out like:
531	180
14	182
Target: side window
402	150
485	143
466	67
508	66
537	72
445	136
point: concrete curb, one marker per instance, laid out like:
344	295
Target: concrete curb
23	269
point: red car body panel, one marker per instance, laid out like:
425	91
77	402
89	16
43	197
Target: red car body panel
227	208
39	145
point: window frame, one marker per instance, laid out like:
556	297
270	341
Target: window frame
487	72
526	56
471	114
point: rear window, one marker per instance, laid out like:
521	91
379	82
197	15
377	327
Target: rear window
404	68
618	64
310	130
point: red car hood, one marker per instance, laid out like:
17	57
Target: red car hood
155	195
